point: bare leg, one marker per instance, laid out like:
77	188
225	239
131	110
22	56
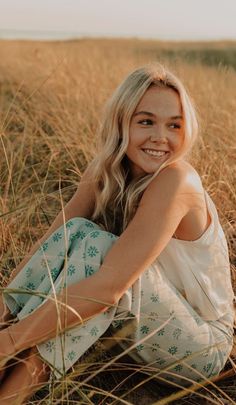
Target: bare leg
26	377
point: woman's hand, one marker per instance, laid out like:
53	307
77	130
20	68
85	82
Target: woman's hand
7	347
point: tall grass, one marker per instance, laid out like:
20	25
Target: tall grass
51	97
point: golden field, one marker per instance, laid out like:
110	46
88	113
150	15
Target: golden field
51	99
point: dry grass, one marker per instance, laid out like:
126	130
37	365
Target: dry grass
51	98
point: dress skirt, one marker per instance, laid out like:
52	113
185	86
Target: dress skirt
165	334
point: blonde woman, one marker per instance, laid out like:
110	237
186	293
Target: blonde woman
139	242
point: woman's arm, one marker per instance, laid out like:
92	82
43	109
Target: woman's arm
80	302
80	205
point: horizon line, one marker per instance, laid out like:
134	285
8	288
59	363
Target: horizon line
79	35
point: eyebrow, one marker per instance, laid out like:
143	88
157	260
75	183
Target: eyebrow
175	117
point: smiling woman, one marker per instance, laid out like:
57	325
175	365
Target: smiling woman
139	244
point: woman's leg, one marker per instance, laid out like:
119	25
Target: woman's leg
25	378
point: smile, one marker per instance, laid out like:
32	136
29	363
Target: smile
153	153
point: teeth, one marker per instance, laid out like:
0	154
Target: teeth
154	153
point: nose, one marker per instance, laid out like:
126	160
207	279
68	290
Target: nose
158	136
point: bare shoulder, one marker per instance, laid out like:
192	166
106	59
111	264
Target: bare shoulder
178	177
182	171
191	179
186	180
179	187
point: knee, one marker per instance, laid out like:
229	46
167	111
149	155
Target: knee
79	228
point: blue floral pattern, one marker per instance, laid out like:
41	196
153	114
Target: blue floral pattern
89	270
56	237
71	269
92	251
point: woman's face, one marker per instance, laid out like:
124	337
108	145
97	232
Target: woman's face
156	130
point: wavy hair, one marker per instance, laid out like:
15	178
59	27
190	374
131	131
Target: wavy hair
117	194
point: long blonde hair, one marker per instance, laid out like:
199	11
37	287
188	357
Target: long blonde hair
117	194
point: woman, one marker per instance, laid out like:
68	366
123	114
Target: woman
140	241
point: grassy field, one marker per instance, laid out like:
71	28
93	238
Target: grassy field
51	98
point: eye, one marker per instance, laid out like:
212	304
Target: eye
143	121
175	125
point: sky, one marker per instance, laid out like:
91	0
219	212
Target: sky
154	19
